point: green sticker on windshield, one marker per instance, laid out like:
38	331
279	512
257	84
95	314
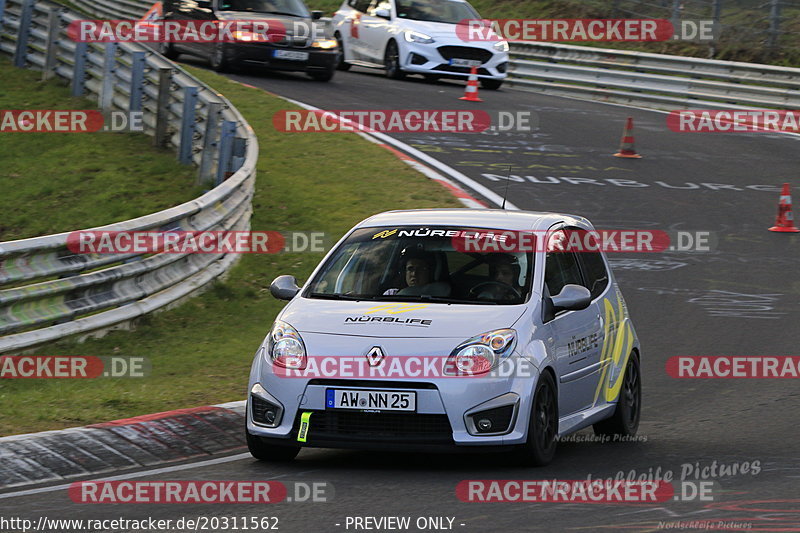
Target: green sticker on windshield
305	423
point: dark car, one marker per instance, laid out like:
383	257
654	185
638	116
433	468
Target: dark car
297	48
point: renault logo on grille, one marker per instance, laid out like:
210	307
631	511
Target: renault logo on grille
375	356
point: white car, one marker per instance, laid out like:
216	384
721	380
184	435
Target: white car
417	37
403	339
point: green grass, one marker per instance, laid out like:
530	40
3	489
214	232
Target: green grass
55	182
738	43
201	351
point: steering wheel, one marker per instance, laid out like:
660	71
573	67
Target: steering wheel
474	290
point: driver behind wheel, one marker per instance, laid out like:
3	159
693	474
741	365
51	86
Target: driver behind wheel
504	271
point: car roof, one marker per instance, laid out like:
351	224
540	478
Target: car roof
474	218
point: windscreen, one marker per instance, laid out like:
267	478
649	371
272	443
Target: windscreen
277	7
446	11
423	264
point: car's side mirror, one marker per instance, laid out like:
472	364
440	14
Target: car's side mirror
572	298
284	288
316	15
383	13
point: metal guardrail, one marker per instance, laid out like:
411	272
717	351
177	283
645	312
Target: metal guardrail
651	80
48	292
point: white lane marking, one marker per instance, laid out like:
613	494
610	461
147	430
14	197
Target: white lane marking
421	156
133	475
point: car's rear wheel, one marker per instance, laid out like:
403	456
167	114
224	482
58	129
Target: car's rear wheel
342	65
490	84
540	447
263	451
168	50
218	61
391	60
625	420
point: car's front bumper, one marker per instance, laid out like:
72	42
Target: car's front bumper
263	55
441	418
437	58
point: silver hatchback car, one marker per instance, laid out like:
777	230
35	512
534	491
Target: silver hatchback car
447	329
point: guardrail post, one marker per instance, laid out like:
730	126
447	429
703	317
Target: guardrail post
109	70
137	81
2	11
53	27
225	150
162	106
676	12
774	23
210	143
716	11
239	148
79	70
187	125
21	52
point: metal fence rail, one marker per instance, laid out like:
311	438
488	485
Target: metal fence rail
47	291
651	80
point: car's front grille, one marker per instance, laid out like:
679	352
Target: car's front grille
461	70
355	426
465	52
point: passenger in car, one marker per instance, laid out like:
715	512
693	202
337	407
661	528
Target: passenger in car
418	269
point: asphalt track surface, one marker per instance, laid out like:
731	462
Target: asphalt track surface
741	299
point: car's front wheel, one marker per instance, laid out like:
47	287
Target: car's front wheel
392	62
167	50
540	447
625	420
490	84
218	61
342	65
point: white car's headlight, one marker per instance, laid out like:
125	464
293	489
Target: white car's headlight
501	46
285	347
418	37
481	353
325	44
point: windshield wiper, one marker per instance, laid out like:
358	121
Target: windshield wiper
282	13
334	296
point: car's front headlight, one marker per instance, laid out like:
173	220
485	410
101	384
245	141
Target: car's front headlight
325	44
418	37
501	46
285	347
248	36
481	353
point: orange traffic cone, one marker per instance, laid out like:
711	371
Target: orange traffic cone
471	94
784	223
626	148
